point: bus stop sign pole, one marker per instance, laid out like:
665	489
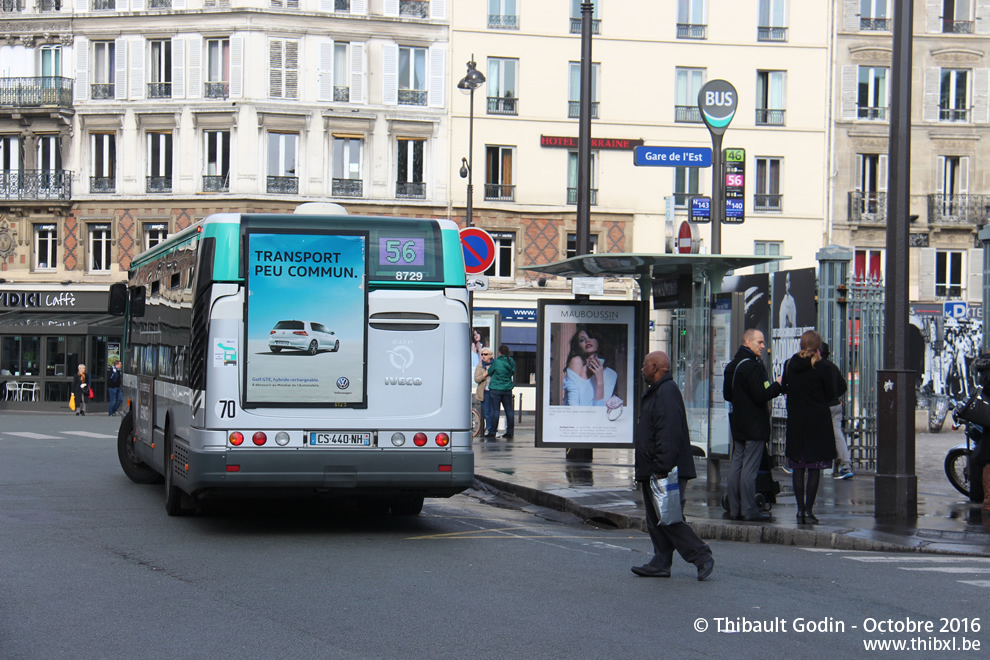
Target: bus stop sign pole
717	102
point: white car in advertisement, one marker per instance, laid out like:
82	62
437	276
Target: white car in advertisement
305	336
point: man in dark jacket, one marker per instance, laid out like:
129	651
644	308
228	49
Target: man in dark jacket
835	405
748	389
662	443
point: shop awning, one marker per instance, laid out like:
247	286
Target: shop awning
48	323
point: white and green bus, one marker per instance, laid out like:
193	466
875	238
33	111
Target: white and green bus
305	355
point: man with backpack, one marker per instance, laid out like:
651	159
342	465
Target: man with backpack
748	390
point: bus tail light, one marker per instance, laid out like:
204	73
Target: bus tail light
445	468
233	468
442	439
236	438
419	439
281	438
398	439
259	438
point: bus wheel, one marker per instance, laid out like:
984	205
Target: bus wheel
313	347
133	467
407	506
174	496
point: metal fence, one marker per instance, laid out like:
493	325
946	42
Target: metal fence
860	360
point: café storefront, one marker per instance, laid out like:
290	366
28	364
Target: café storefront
46	332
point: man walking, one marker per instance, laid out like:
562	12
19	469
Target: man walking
835	405
662	444
748	389
113	388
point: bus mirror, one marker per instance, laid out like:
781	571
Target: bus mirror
137	301
117	304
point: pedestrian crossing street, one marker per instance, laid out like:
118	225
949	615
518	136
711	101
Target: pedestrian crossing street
942	564
61	435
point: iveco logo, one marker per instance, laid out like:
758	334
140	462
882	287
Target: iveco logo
392	380
342	383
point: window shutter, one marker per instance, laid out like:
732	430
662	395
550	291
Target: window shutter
850	19
326	6
850	81
195	87
982	16
178	4
438	9
933	18
940	175
137	68
325	90
178	67
964	175
437	88
929	110
236	67
359	7
82	6
82	69
390	74
882	173
291	69
391	8
981	95
858	183
974	288
926	274
275	68
137	5
357	73
120	69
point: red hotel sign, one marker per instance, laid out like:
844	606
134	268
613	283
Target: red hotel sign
596	143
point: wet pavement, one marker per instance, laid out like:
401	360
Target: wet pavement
602	491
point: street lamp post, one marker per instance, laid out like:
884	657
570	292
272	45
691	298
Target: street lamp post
472	81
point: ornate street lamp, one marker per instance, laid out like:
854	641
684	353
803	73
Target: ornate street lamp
472	81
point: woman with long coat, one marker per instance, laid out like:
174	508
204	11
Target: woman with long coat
810	444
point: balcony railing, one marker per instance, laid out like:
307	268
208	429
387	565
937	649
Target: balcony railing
35	184
687	114
765	202
159	184
341	94
500	192
953	114
574	109
867	208
215	184
957	27
159	4
691	31
768	117
101	90
11	6
412	97
410	190
572	195
160	90
769	33
414	8
288	185
342	5
874	24
104	5
36	92
347	188
958	209
502	105
216	90
502	22
596	25
49	5
877	114
102	184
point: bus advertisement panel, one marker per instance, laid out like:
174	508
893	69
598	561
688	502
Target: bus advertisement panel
305	311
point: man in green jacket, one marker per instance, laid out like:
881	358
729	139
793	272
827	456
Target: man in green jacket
502	376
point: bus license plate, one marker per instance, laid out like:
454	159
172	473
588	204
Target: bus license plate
319	439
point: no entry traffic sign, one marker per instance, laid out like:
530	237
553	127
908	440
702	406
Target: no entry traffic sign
479	250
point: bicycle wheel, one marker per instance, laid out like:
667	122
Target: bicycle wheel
475	423
957	470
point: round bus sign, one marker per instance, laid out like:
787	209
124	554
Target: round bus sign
717	101
479	250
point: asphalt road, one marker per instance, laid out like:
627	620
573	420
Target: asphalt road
93	568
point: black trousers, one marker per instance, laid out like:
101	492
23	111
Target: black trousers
667	538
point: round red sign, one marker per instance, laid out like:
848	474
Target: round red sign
685	239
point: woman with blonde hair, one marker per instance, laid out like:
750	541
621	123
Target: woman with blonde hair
810	446
80	388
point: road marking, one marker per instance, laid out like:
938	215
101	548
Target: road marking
89	434
976	583
33	436
932	559
831	550
947	569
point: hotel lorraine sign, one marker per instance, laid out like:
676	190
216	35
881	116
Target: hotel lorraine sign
563	142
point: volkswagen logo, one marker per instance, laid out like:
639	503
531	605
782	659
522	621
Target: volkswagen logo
342	383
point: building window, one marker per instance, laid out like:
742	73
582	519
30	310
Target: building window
341	72
283	69
412	76
874	15
498	174
216	145
868	264
767	249
691	22
409	181
872	93
51	61
346	167
952	190
104	68
10	154
159	163
282	176
768	197
957	16
686	184
45	247
503	15
505	251
154	233
217	69
949	274
571	249
688	83
953	95
572	177
502	86
773	21
770	98
99	248
103	163
870	199
574	90
596	23
160	69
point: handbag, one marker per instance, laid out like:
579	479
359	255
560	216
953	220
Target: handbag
90	392
72	402
666	494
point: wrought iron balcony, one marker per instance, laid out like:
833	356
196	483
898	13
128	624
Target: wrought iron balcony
596	25
502	22
687	114
159	4
878	114
102	184
288	185
969	210
410	189
957	27
216	90
159	184
874	24
765	202
502	105
690	31
342	5
953	114
867	208
412	97
36	92
11	6
572	195
35	184
49	5
347	188
104	5
414	8
160	90
215	184
500	192
574	109
341	93
769	33
768	117
101	91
